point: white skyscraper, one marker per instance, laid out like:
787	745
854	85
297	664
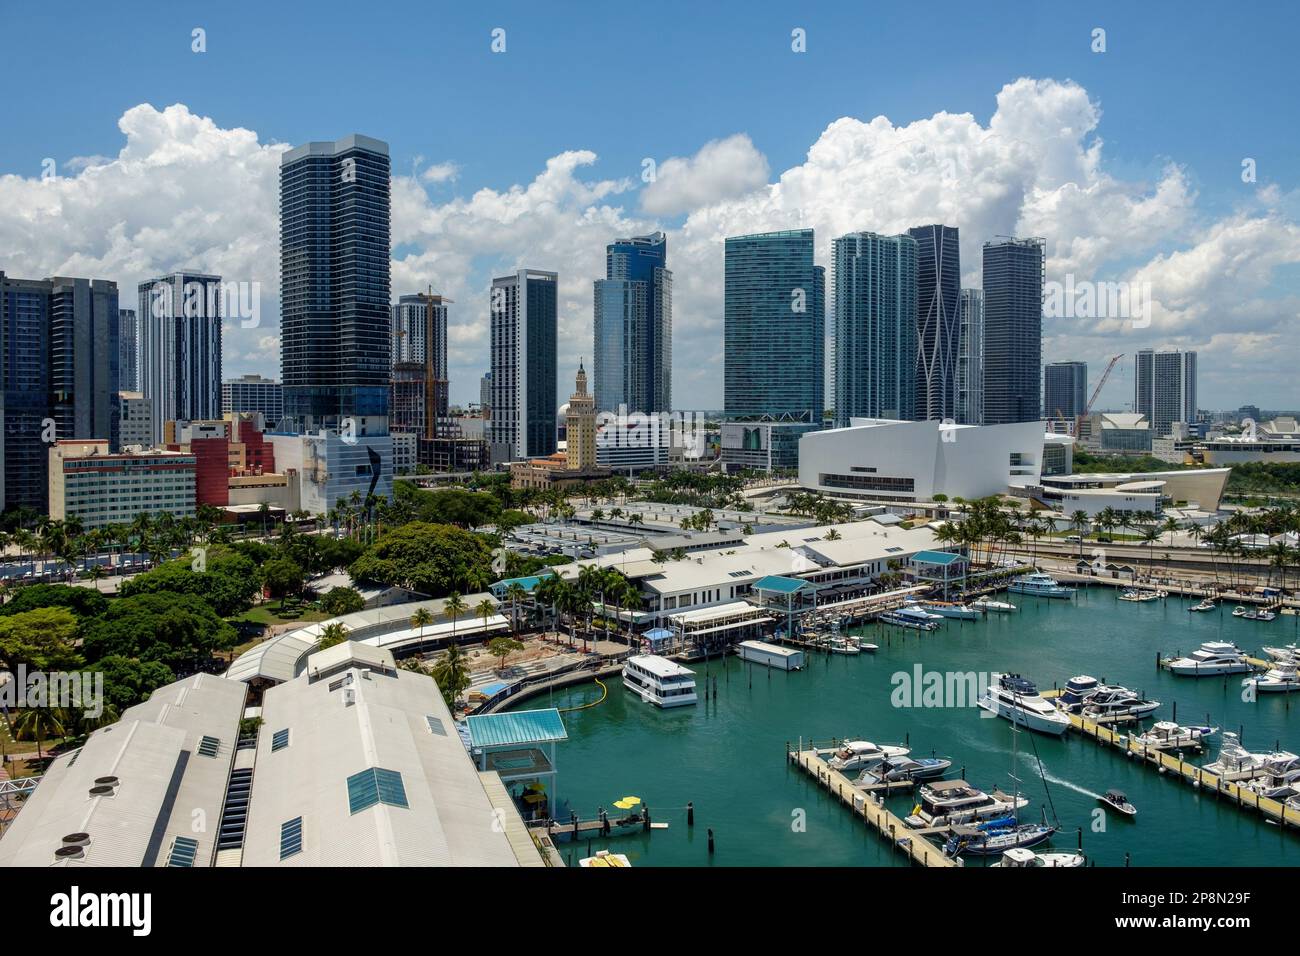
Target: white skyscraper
179	320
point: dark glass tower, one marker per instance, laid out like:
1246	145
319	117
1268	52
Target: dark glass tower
334	282
1065	389
633	327
1013	329
774	328
524	313
938	321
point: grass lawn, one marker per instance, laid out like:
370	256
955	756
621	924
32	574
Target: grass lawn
294	612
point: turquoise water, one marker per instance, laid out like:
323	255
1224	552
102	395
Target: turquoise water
727	756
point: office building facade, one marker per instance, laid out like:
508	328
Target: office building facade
632	327
938	321
1165	388
970	359
128	350
419	399
874	302
253	393
1065	390
1013	329
524	319
180	319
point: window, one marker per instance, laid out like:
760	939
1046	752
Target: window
279	740
375	785
435	725
183	852
209	746
290	837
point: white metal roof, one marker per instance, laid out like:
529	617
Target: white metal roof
660	666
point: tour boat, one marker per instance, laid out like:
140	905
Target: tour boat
1040	585
1206	604
911	617
1116	800
997	607
1281	677
1212	659
1253	614
1017	699
1167	735
952	802
1022	859
861	754
659	681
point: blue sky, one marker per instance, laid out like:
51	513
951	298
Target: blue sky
1179	83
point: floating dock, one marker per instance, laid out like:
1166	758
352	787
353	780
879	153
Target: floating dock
862	801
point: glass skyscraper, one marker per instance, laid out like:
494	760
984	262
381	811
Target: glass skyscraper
335	318
1013	329
938	321
970	359
524	317
1164	388
1065	389
874	302
774	328
180	347
633	327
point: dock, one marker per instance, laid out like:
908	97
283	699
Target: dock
1198	777
864	803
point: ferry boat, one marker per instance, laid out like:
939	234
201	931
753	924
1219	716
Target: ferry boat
911	617
952	802
1086	695
1206	604
659	681
1212	659
1167	735
996	607
1017	699
1021	858
1280	678
1040	585
861	754
1253	614
1235	762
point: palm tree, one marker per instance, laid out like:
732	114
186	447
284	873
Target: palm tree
832	535
421	619
516	593
485	609
1150	535
38	723
454	607
1079	520
333	633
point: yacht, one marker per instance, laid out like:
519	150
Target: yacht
952	802
863	754
1253	614
1024	859
1041	585
1287	654
894	769
1088	696
1281	677
1212	659
911	617
1206	604
1017	699
959	612
1141	595
1279	778
659	681
1167	735
995	837
1235	762
997	607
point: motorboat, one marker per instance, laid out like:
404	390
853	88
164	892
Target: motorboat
1141	595
896	769
1253	614
1017	699
1235	762
1287	653
911	617
1021	858
960	612
863	754
952	802
1279	779
1116	800
659	681
1167	735
995	837
1206	604
1211	659
1088	696
1040	585
1280	678
843	645
1076	691
995	607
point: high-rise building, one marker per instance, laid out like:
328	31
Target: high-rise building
1065	389
128	350
59	353
774	328
938	321
418	404
335	318
633	325
485	394
580	446
1165	388
101	488
874	302
253	393
180	319
1013	329
135	420
524	319
970	359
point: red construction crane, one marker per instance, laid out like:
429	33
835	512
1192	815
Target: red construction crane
1087	409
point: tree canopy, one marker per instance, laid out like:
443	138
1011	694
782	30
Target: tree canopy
434	559
227	581
83	602
176	629
41	638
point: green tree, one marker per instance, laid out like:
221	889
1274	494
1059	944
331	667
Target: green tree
454	607
485	609
226	579
42	639
331	634
342	600
451	674
39	723
421	619
83	602
503	647
282	577
434	559
128	681
180	630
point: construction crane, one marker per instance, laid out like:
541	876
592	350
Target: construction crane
1110	367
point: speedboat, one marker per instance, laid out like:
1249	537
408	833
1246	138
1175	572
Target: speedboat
959	612
998	607
1281	677
1167	735
1116	800
1040	585
1235	762
1212	659
659	681
895	769
1017	699
912	617
863	754
994	837
843	645
1141	595
1253	614
1023	859
1207	604
951	802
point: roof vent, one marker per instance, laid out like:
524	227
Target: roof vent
77	839
69	853
106	781
102	790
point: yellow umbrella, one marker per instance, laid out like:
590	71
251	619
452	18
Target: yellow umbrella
627	803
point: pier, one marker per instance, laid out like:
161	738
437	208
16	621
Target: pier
863	802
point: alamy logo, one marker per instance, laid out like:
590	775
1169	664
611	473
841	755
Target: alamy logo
81	689
74	908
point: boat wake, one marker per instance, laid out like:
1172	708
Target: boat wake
1053	779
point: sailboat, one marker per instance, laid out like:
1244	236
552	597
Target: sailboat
996	837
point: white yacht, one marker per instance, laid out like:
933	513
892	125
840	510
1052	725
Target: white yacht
950	802
659	681
996	607
1023	859
1088	696
1287	654
1280	678
959	612
863	755
1211	659
1279	777
1167	735
1017	699
1253	614
911	617
1235	762
1040	585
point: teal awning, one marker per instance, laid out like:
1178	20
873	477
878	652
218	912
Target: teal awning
935	557
517	729
528	583
780	584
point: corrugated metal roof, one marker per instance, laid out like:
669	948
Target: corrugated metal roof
521	727
936	557
779	584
